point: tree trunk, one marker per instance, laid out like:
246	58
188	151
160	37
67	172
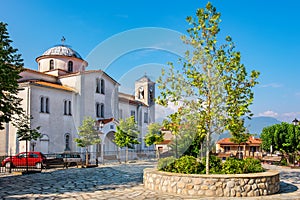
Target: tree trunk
26	149
86	157
207	153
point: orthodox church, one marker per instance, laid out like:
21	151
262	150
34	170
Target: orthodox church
62	92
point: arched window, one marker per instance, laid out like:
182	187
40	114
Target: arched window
70	108
51	64
42	105
70	66
102	110
102	91
98	112
67	107
97	85
47	105
67	142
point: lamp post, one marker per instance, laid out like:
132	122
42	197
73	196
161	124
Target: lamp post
101	125
33	143
296	123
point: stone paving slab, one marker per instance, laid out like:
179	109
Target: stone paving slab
113	182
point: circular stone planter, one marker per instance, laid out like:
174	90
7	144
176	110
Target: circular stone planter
214	185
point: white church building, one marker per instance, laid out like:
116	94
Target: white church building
62	92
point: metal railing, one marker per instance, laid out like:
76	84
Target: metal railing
94	158
18	165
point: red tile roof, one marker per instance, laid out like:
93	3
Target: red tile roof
251	140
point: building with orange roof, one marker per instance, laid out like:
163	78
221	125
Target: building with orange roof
252	148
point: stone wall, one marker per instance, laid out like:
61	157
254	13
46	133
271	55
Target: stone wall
220	185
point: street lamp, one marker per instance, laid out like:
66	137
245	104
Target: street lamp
33	143
100	126
296	123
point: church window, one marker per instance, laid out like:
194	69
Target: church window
67	142
141	92
98	110
42	105
47	105
51	64
70	66
97	85
102	110
70	108
102	91
67	107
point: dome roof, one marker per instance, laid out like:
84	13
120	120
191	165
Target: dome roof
61	50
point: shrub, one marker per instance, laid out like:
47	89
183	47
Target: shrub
232	166
236	166
166	164
252	165
215	165
188	165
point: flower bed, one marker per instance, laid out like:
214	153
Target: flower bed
219	185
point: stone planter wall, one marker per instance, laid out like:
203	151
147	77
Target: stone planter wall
220	185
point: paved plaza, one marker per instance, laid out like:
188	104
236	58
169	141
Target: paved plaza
124	181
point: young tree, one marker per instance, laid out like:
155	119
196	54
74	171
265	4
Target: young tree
212	81
127	134
88	136
25	132
11	65
173	124
154	135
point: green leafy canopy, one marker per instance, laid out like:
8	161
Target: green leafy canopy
213	86
11	64
88	135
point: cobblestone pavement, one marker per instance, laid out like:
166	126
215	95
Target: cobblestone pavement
112	182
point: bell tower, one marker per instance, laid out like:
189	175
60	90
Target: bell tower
145	90
145	93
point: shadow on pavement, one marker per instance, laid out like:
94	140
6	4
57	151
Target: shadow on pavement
287	188
74	180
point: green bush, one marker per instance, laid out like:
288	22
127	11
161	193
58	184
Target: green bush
236	166
233	166
215	165
252	165
188	165
166	164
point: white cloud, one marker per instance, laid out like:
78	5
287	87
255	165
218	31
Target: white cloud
161	112
271	85
268	113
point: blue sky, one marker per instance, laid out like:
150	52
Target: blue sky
265	31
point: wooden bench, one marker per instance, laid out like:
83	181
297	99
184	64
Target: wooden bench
111	158
271	159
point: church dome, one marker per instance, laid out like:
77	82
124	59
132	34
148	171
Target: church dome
61	50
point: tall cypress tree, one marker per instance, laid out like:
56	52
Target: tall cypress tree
11	64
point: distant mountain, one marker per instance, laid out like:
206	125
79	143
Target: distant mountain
255	126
